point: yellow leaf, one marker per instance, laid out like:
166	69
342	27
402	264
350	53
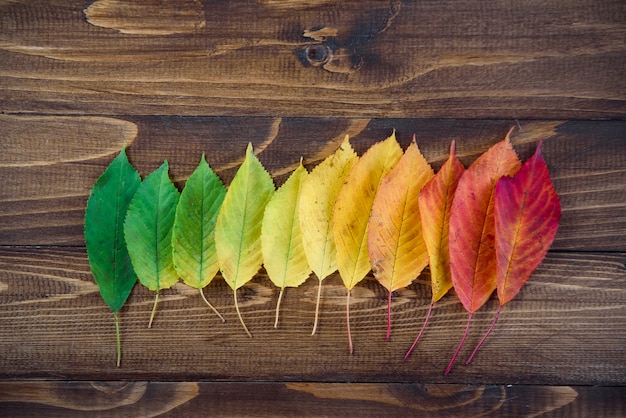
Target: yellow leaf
283	253
395	245
352	212
317	201
354	205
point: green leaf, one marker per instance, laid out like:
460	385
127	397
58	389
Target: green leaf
148	232
104	234
238	226
283	251
193	234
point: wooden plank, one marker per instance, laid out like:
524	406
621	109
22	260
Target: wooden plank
191	399
566	327
463	59
49	163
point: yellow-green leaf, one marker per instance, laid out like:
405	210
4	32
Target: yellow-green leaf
352	212
317	201
193	234
281	238
396	248
238	225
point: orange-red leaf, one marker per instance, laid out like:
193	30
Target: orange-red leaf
527	213
435	202
472	228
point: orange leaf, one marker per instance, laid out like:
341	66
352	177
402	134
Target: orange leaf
352	212
395	245
472	229
435	201
526	212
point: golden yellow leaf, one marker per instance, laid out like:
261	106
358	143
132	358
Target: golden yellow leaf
352	212
318	194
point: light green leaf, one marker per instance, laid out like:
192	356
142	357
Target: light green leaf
283	253
193	234
238	226
104	234
148	232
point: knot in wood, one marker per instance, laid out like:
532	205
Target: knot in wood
318	54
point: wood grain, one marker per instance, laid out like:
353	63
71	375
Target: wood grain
78	80
461	59
55	326
191	399
50	164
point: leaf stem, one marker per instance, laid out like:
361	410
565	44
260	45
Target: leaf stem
154	307
493	324
211	306
388	316
239	315
280	298
117	339
348	322
456	353
430	309
317	306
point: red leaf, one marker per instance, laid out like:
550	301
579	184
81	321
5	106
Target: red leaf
472	228
526	213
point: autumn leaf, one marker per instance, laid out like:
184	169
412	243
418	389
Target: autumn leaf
148	232
281	238
396	249
472	229
435	202
526	215
104	235
318	194
352	212
239	222
193	234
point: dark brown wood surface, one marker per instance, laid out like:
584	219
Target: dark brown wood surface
79	80
355	58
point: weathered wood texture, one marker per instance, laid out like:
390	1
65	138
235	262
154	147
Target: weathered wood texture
114	399
170	80
567	326
531	59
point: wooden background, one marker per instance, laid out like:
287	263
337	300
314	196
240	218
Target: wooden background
170	80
